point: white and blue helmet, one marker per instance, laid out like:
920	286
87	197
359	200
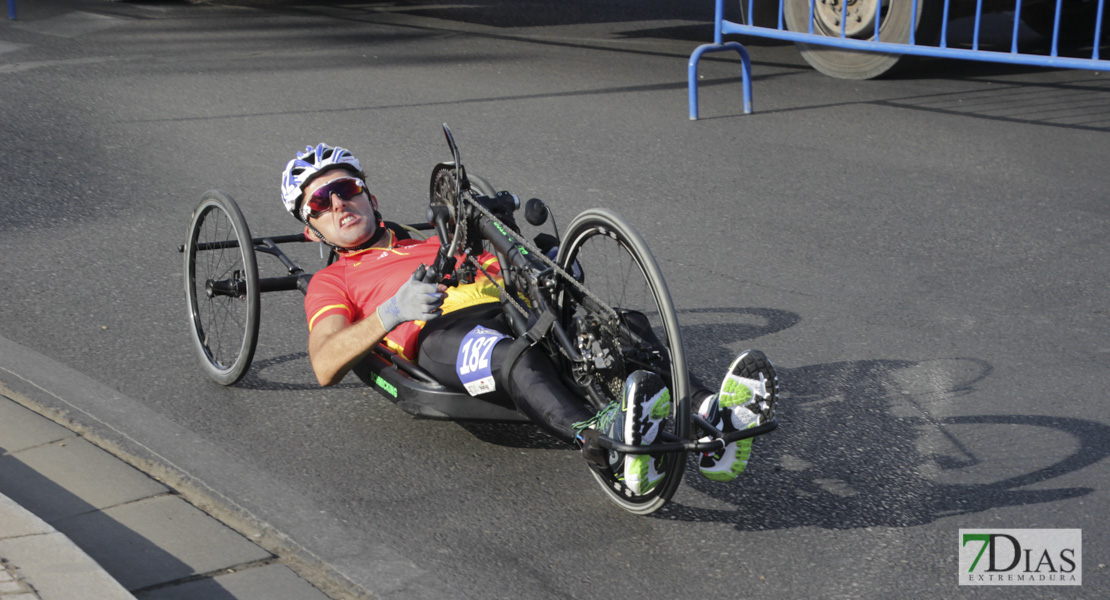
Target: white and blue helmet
302	169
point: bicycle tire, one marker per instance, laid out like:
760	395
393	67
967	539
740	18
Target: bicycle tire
221	288
618	267
481	184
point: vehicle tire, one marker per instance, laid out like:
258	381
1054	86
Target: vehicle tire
894	26
618	269
221	286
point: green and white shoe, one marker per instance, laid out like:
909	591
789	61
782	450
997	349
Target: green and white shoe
747	398
635	420
647	402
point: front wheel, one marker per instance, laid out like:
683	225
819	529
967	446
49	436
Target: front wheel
895	19
221	287
626	322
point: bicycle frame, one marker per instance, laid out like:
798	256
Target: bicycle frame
296	280
596	335
537	279
426	397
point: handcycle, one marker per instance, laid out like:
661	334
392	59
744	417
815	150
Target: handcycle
593	299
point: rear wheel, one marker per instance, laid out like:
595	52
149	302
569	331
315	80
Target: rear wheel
895	18
221	286
628	324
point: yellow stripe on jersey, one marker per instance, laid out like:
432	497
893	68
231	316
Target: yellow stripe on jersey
320	312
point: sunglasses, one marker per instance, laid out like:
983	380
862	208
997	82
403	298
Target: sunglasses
320	200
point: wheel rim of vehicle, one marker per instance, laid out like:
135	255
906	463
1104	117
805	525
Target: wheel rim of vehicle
859	20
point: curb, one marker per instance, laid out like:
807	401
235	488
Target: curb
77	521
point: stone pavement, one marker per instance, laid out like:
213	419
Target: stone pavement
77	523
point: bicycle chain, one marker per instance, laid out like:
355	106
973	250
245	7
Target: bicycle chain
613	392
543	258
503	292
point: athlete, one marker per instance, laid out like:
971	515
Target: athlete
375	293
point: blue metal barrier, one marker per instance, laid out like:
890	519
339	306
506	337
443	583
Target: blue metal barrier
11	10
869	33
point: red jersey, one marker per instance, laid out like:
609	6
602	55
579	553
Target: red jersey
358	282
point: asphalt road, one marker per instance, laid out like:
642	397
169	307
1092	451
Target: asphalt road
925	259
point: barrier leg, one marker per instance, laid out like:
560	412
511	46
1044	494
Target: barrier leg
692	74
11	10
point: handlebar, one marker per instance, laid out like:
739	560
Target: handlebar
517	255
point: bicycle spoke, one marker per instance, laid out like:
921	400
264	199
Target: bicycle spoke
225	322
639	327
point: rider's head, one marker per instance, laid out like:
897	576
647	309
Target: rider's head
324	188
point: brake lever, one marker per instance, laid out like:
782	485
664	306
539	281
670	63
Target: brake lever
439	215
442	271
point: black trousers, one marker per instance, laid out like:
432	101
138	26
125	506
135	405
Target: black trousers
537	391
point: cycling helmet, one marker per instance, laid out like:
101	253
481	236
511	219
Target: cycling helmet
307	165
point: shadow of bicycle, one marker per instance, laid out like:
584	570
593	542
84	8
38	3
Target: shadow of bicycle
861	443
882	443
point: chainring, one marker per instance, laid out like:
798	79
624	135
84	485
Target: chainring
443	186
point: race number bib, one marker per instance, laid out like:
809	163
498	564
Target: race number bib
473	362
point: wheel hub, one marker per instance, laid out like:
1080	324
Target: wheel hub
859	17
602	358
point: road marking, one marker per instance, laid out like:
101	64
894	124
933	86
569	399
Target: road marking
35	64
70	24
10	47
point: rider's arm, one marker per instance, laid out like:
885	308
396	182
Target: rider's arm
335	345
